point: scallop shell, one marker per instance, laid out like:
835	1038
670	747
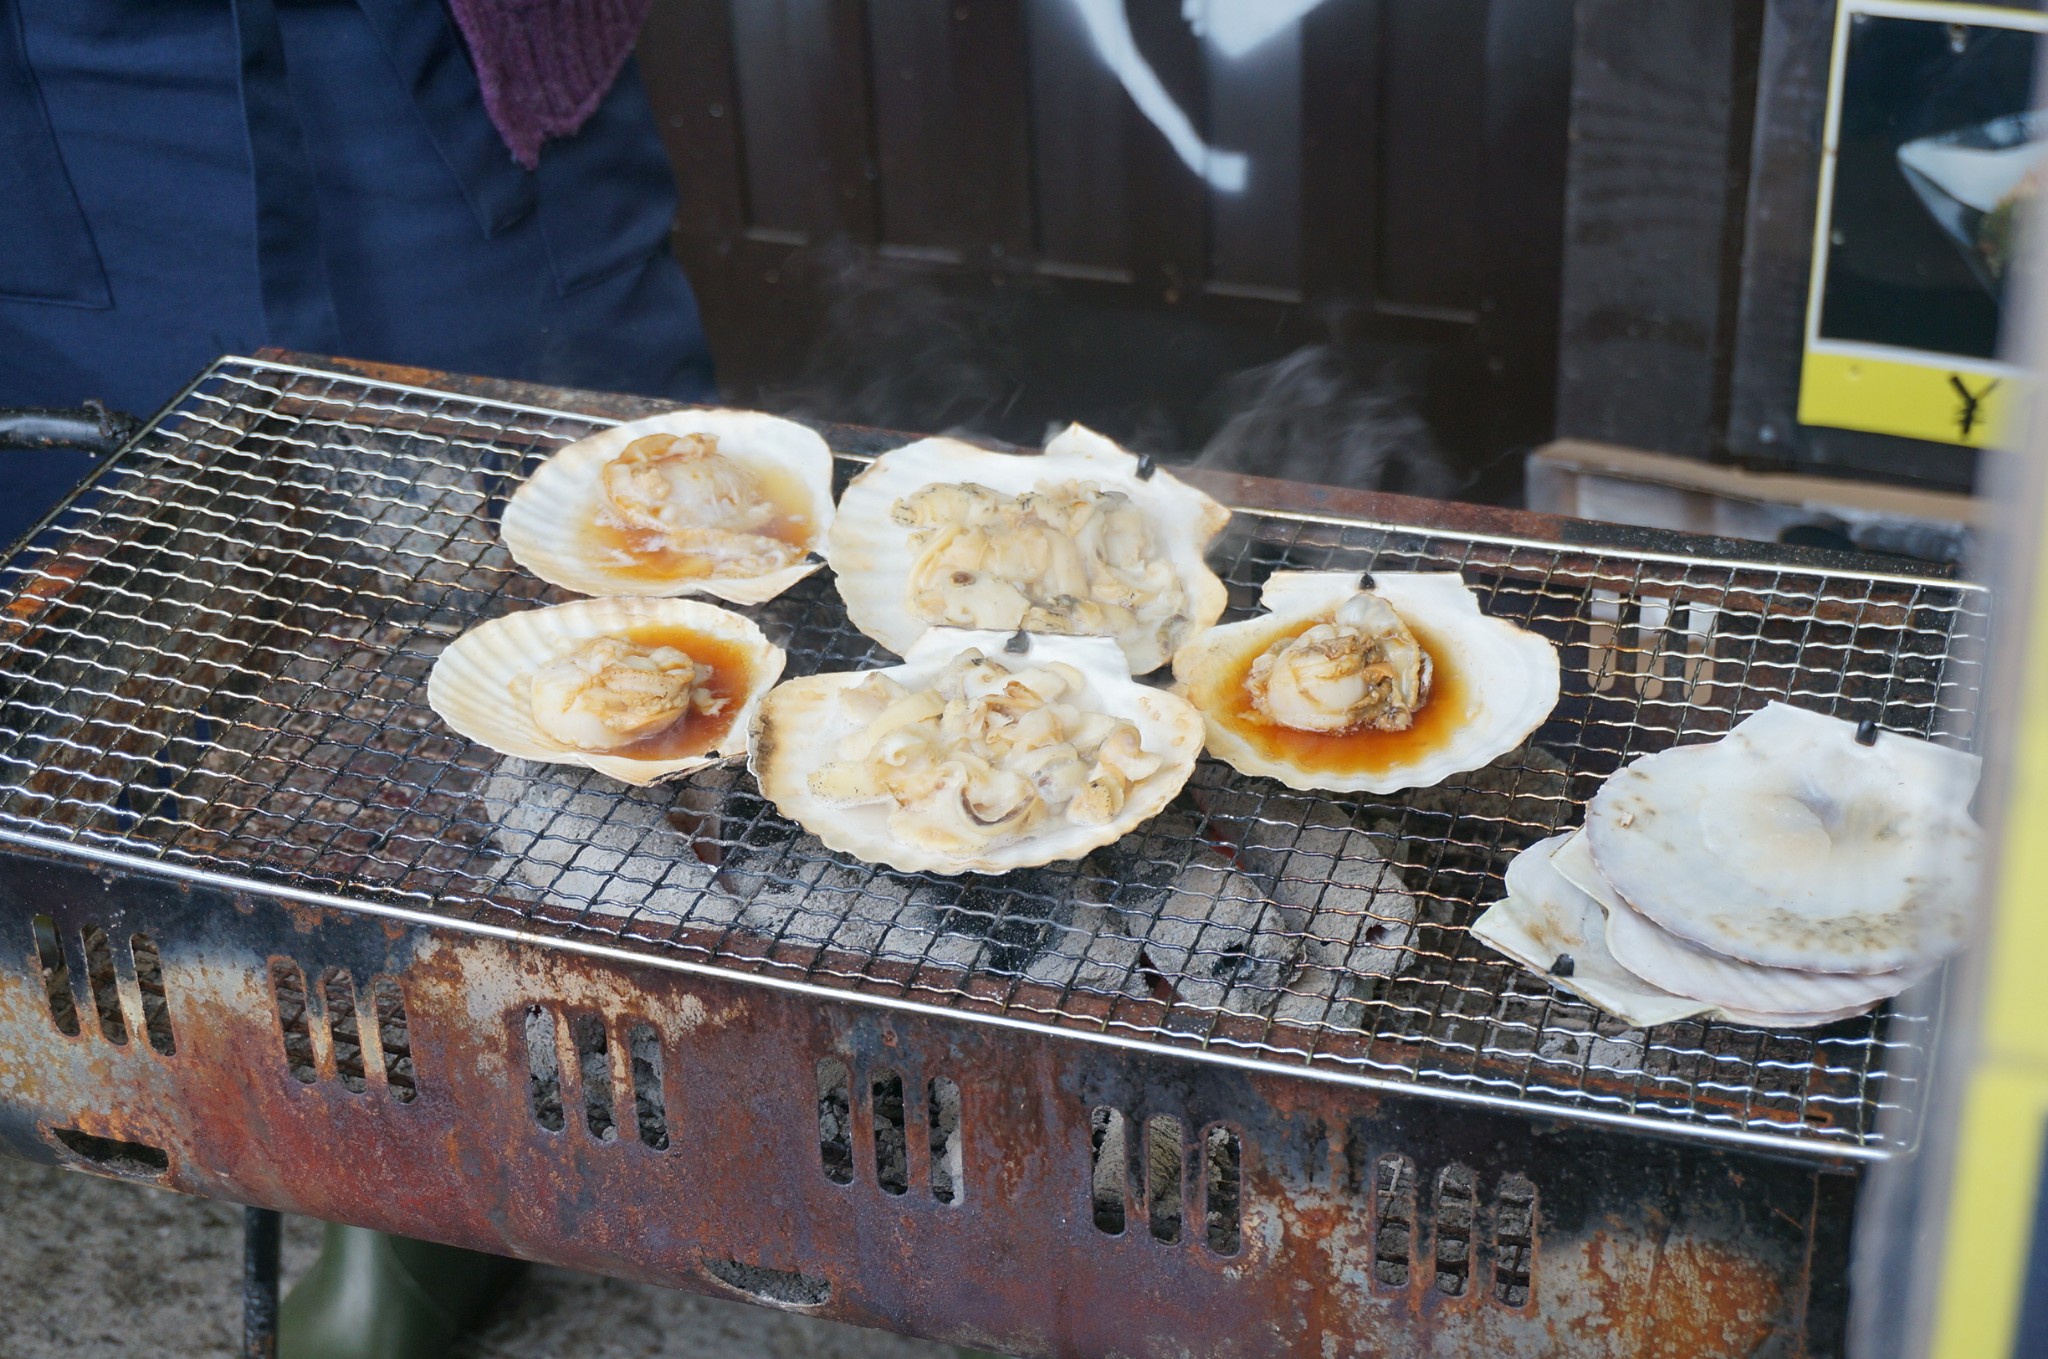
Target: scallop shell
871	554
1511	674
800	725
470	686
546	523
1546	914
1664	960
1788	844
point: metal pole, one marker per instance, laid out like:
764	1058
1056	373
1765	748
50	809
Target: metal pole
260	1229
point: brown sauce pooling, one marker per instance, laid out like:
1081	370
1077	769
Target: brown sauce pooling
731	674
1357	752
642	554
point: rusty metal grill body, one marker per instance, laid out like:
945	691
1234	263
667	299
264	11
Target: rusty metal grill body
268	931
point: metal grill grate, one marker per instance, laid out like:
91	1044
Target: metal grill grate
216	661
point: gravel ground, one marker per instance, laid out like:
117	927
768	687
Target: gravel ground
96	1269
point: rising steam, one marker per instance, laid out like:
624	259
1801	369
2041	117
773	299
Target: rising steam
895	350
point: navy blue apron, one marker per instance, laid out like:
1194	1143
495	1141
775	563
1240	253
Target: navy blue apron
184	178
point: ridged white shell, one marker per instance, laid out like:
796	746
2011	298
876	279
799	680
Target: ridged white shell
1546	914
1664	960
471	685
1788	844
545	527
871	554
1510	674
800	725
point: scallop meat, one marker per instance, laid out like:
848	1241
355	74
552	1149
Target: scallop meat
1078	541
732	504
983	752
639	689
1345	688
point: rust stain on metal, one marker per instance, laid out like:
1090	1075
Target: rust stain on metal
1015	1263
1706	1300
52	581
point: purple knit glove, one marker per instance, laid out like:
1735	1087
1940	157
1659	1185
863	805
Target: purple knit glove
545	64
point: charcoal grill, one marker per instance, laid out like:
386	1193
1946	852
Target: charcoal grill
268	932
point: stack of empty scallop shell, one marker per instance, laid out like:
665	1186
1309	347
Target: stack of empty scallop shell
1798	871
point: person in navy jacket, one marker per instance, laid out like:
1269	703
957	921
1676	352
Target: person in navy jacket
395	180
470	185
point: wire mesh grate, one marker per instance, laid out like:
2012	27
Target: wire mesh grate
217	659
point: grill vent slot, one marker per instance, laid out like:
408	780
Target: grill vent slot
104	982
156	1009
943	1110
594	1065
394	1040
835	1122
56	976
1453	1223
338	989
113	1154
780	1287
543	1069
1107	1158
606	1069
288	988
650	1112
1514	1239
1222	1179
1393	1191
1163	1171
105	986
892	1168
332	1003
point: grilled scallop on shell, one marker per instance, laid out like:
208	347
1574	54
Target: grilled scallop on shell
1072	541
597	682
1331	659
971	757
717	502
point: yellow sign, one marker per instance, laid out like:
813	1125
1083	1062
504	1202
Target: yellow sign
1933	156
1917	400
1991	1215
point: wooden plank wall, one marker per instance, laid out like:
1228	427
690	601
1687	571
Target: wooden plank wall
1402	152
1657	182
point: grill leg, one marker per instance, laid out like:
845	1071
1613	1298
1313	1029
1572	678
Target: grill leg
260	1228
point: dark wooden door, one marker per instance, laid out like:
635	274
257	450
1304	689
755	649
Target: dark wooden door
993	214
